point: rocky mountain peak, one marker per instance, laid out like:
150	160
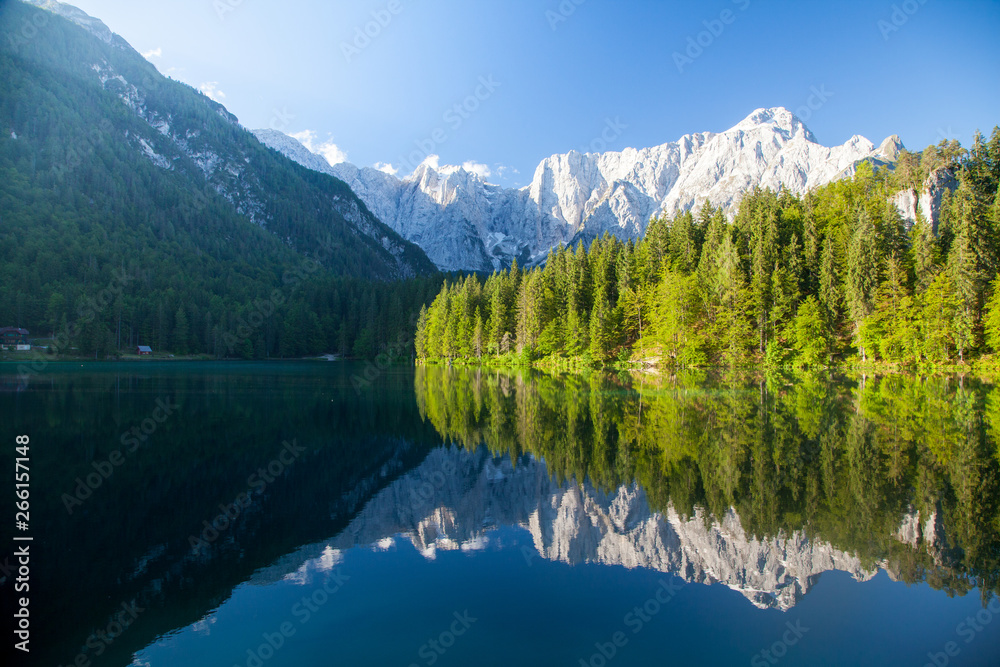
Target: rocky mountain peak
464	223
776	119
890	149
92	25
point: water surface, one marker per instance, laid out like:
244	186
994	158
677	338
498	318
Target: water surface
288	514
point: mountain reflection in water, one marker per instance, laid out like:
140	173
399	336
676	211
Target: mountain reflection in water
760	484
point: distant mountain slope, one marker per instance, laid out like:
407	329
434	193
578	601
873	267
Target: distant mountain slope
104	98
109	169
464	223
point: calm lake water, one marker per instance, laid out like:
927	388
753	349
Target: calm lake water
292	514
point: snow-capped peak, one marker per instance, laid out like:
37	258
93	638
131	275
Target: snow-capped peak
778	119
464	223
432	163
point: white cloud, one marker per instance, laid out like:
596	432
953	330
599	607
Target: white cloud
153	53
329	150
305	137
477	168
387	168
432	161
211	89
332	152
503	170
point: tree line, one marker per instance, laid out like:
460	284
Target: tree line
833	275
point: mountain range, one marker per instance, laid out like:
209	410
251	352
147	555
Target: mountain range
574	523
465	223
460	220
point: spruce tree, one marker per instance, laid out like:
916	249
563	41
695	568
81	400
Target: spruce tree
180	336
862	277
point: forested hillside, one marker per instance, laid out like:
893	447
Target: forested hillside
830	276
135	210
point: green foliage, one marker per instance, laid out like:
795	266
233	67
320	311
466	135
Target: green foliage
845	462
823	275
810	333
991	323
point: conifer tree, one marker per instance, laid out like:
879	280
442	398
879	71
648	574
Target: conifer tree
478	335
991	322
862	278
180	337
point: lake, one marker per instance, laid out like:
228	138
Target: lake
333	513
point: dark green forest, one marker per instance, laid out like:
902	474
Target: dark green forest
830	277
104	250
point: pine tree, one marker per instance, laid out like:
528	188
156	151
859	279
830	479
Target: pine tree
602	331
478	336
685	249
923	252
811	333
180	336
675	313
941	304
991	322
862	278
420	338
829	283
733	327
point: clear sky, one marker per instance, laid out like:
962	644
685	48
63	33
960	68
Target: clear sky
538	77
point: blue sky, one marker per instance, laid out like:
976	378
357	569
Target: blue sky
536	77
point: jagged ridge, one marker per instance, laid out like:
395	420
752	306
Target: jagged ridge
463	222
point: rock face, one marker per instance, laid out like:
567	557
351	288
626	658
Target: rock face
928	201
454	216
92	25
454	499
462	222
